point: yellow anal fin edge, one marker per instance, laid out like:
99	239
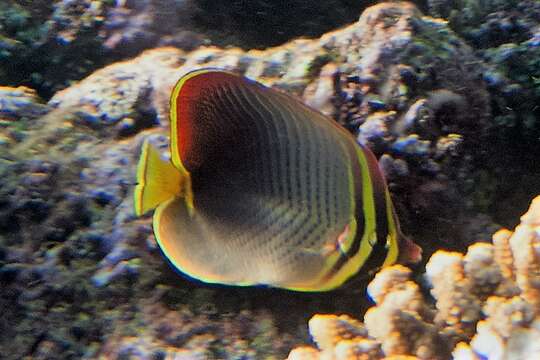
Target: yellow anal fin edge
157	180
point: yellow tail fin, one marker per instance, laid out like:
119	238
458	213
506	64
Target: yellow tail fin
157	180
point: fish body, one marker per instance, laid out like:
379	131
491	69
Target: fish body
262	189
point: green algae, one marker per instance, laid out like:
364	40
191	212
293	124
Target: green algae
471	13
503	34
430	48
315	66
516	124
30	47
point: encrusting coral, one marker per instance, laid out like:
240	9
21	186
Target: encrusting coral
403	83
505	35
486	304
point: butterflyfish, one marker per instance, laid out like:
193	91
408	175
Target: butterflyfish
260	189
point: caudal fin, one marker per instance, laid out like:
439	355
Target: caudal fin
157	180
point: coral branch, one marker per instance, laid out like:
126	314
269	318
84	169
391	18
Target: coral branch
487	305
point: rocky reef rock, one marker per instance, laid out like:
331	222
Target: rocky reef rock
76	264
20	102
505	36
18	106
485	305
164	333
489	23
49	44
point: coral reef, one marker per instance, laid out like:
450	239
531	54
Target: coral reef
78	266
486	305
18	106
161	332
36	37
133	26
49	44
16	103
489	23
339	337
395	86
122	90
505	36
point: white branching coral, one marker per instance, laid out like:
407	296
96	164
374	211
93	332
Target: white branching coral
458	309
400	321
486	305
338	337
328	330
